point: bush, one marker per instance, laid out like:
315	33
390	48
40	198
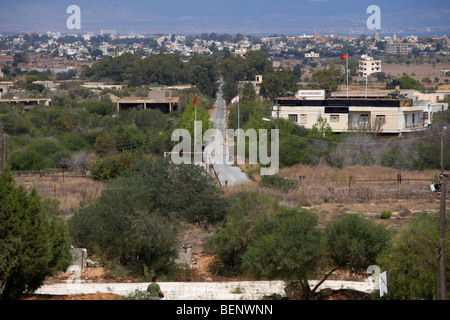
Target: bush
411	261
354	242
277	182
135	221
111	166
385	214
230	241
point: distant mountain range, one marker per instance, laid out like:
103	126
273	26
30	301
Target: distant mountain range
248	17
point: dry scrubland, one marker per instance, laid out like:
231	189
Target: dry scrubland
69	191
330	191
327	191
420	70
321	188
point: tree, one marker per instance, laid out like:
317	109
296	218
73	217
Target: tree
230	89
411	262
104	145
328	78
187	118
136	219
202	71
256	62
33	245
354	243
320	129
286	245
405	82
232	239
278	84
248	92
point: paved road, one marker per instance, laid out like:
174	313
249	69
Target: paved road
228	174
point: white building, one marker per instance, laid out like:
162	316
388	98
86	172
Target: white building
393	116
312	55
368	66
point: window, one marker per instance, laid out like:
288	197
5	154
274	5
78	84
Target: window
293	118
381	118
303	118
334	118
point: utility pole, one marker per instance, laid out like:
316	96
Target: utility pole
278	112
441	284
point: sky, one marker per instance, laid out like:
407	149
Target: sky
248	17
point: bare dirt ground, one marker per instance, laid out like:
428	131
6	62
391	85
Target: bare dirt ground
416	71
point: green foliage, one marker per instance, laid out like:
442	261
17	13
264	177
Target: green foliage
405	82
104	145
328	78
100	107
278	84
248	93
187	118
277	182
321	129
411	259
136	219
394	158
33	245
232	239
202	71
285	245
385	214
230	90
429	156
355	243
111	166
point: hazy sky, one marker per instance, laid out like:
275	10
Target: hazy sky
290	17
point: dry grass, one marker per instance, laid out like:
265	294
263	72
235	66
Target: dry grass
326	190
68	191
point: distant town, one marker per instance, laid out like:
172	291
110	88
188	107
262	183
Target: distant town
59	52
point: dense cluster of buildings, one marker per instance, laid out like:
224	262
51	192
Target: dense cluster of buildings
108	43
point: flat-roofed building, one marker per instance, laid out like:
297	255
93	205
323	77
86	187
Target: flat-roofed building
398	48
157	99
312	55
368	66
391	116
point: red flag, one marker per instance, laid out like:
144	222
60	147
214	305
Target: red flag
195	100
344	56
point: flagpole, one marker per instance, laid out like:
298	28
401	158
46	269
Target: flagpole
367	75
238	124
347	72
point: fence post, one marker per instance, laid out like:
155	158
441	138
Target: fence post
349	184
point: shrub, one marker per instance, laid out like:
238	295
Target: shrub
385	214
277	182
110	167
136	220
